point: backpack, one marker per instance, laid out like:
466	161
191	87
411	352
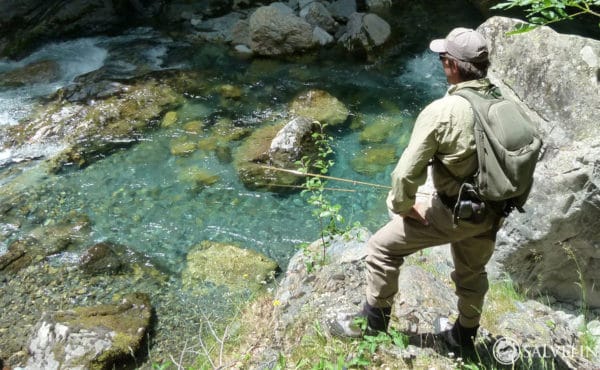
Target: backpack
508	149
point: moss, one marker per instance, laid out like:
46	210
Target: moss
240	270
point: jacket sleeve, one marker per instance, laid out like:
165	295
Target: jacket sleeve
411	170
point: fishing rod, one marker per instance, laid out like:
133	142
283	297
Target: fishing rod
354	182
304	187
299	173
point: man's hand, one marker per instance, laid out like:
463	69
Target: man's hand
417	213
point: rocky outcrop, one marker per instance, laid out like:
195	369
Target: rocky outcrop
553	248
83	131
308	298
90	337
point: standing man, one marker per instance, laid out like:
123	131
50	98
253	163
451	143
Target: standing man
443	136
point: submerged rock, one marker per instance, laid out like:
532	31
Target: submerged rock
375	159
101	258
90	337
225	265
320	106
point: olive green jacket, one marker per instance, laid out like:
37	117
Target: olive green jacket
443	129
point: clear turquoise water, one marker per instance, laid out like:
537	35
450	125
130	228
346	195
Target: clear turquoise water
139	196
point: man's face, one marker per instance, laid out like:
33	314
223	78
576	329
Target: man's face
450	69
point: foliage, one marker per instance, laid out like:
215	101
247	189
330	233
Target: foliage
544	12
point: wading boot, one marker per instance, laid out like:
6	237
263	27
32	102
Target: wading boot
344	324
457	336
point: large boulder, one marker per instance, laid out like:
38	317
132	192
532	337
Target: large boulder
276	30
553	248
96	337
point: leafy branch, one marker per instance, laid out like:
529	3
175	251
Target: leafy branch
545	12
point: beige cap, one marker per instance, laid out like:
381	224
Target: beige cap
463	44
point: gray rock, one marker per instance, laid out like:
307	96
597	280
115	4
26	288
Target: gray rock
287	145
341	10
364	33
101	259
321	37
218	29
274	31
554	247
316	14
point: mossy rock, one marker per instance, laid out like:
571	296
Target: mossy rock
193	127
183	146
229	91
225	131
198	178
252	158
320	106
169	119
379	131
92	131
371	161
239	270
43	71
97	337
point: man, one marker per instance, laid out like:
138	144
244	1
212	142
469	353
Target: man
443	137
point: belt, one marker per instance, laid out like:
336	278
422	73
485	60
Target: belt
448	201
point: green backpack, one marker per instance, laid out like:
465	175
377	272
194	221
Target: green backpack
508	149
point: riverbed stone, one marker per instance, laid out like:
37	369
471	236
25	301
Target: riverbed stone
321	106
95	337
374	159
251	161
379	131
276	31
43	71
238	270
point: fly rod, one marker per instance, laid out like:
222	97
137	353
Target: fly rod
299	173
354	182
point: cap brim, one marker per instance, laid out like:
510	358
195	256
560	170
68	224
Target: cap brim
438	46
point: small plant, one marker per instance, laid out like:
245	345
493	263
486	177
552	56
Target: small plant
328	214
544	12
